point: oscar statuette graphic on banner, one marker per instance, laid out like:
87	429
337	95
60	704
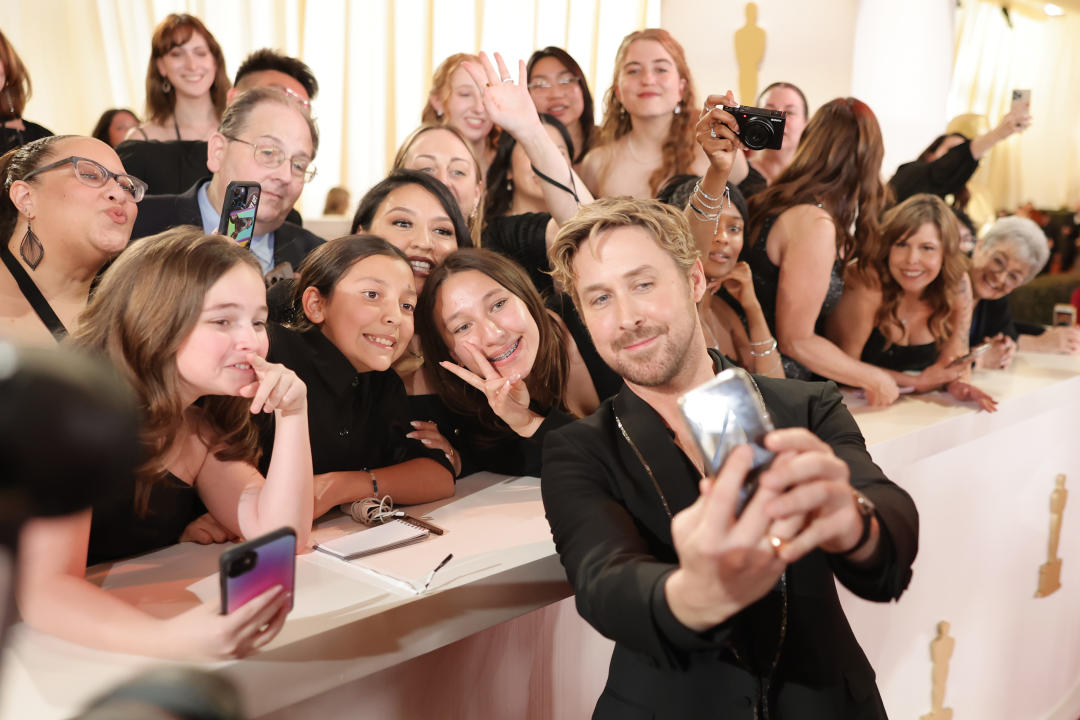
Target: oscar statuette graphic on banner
1050	571
941	650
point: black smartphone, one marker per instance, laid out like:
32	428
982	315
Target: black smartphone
253	567
239	209
724	413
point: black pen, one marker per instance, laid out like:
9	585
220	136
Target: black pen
438	567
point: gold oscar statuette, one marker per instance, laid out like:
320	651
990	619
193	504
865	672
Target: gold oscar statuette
749	50
941	650
1050	571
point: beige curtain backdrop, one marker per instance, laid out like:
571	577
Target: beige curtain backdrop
1039	53
373	58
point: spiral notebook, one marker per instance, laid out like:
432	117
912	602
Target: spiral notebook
388	536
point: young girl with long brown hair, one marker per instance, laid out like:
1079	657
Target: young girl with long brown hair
182	317
500	357
650	112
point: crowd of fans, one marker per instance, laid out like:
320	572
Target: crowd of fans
432	341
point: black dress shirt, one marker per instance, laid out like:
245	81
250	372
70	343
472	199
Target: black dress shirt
614	539
356	420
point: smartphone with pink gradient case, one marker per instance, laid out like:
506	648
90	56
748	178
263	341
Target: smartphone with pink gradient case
253	567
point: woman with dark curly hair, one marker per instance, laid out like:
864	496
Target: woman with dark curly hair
909	310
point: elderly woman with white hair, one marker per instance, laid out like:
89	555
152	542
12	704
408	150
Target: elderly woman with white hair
1009	255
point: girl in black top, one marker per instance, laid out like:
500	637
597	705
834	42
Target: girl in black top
195	364
499	356
909	311
354	307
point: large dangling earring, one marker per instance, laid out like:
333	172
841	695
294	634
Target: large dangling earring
166	86
678	107
30	249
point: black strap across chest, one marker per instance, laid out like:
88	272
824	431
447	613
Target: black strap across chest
33	295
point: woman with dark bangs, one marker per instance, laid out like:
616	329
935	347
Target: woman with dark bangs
557	87
501	362
650	115
909	310
197	369
801	234
186	82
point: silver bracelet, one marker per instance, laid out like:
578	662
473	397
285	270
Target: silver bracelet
762	343
765	353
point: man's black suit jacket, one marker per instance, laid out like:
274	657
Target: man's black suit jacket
614	539
292	243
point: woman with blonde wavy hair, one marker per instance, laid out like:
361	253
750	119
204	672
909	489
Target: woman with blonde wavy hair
650	115
908	310
195	364
456	101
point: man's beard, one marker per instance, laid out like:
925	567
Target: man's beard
663	362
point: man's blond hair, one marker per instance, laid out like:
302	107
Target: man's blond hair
667	226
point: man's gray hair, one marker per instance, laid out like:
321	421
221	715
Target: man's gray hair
234	121
1022	234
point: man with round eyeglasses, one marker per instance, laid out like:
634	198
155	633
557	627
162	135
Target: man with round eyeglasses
264	137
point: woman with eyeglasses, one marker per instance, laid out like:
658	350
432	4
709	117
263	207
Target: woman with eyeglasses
67	209
557	87
186	82
1010	254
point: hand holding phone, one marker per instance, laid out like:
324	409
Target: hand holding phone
238	211
970	356
250	568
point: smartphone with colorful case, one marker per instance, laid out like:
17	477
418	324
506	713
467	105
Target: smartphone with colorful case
253	567
238	211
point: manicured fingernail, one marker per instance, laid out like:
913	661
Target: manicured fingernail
411	435
415	424
425	441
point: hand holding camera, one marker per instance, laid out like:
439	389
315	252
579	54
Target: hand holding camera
718	133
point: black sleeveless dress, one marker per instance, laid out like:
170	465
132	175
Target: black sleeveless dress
117	531
766	283
900	358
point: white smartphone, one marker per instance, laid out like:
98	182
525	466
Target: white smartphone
724	413
1021	98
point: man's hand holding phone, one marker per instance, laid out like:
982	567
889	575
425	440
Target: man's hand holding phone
807	482
725	563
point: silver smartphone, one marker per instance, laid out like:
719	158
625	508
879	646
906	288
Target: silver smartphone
724	413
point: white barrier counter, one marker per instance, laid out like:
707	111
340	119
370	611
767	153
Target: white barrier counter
496	635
